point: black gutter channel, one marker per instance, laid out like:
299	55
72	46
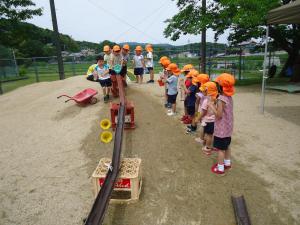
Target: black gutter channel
97	213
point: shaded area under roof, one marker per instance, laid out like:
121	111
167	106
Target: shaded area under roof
286	14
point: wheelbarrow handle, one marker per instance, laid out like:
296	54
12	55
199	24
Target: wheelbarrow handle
69	100
63	96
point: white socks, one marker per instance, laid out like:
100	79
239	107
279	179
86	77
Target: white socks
227	162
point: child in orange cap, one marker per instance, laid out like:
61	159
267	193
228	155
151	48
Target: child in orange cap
203	78
125	58
223	111
207	117
172	82
185	70
190	91
149	62
165	62
138	64
107	54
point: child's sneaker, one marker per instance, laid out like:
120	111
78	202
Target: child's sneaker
227	167
184	117
199	140
187	121
215	170
171	113
190	131
105	99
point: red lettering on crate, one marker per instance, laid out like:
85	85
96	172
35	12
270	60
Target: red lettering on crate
120	183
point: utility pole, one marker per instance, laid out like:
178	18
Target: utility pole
203	41
57	41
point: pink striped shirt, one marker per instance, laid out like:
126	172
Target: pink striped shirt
224	125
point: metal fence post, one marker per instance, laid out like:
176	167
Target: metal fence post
73	66
240	64
36	70
1	90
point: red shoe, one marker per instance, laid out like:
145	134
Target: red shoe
215	170
187	121
184	117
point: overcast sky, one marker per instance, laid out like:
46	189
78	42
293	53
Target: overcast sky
115	20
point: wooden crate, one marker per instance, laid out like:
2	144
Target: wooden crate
129	179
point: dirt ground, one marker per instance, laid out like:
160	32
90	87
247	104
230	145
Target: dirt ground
49	150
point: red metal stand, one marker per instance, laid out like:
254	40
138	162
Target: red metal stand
129	115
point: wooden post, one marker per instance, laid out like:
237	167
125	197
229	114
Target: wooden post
203	41
240	210
57	41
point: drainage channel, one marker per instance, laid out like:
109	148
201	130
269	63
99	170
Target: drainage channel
97	213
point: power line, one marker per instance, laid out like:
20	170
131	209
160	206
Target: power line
123	21
154	12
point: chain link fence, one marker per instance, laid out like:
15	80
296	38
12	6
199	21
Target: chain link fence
23	71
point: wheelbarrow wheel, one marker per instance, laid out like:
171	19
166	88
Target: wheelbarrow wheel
93	100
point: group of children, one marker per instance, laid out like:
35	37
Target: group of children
114	61
207	104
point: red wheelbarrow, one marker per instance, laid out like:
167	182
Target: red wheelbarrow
83	97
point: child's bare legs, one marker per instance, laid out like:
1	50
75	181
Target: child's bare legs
227	157
208	140
137	78
141	79
174	108
104	91
221	156
151	74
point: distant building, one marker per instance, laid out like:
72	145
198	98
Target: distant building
247	46
87	52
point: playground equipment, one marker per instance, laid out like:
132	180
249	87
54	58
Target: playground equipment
127	188
106	137
97	213
129	115
105	124
83	97
240	210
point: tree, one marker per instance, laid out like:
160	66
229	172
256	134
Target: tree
245	19
18	10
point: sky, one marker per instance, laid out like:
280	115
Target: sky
115	20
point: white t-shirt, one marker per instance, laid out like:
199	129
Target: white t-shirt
138	61
101	71
107	58
149	59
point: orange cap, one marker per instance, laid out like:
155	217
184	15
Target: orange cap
106	48
172	67
227	82
195	80
211	89
149	48
138	48
126	47
163	58
187	68
203	78
165	63
192	73
177	72
116	48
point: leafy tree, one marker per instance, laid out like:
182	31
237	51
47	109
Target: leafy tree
245	19
18	9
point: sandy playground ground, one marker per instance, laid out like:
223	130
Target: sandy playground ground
49	149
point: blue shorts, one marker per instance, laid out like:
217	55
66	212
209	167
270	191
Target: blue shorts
222	143
190	110
209	128
105	83
138	71
172	99
149	68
